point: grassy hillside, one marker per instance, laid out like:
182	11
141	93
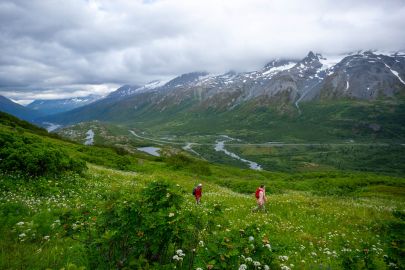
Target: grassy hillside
319	122
133	211
258	120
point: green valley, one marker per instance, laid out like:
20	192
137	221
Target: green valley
128	210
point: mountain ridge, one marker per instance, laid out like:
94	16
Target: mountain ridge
364	75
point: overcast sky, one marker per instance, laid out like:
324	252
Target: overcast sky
57	49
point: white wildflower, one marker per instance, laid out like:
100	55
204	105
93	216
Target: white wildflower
180	253
22	235
283	258
20	223
46	237
243	267
201	243
171	214
248	259
268	246
256	263
251	238
266	267
393	265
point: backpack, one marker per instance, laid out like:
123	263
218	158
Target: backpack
194	190
257	194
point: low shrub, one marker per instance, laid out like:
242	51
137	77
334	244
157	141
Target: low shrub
34	157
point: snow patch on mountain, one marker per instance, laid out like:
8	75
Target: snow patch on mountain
277	69
328	62
395	73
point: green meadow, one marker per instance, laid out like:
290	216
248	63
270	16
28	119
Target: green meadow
104	207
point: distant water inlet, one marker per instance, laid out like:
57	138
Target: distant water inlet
90	137
150	150
220	147
51	126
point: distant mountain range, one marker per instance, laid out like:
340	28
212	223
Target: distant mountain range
47	107
363	75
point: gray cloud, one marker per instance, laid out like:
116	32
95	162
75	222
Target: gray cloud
65	48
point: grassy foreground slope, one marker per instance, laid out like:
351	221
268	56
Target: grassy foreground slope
143	216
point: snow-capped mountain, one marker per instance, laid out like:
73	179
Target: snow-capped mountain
365	75
361	75
47	107
123	91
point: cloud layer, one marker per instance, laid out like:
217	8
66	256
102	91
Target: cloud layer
65	48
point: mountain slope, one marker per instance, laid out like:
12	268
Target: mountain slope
8	106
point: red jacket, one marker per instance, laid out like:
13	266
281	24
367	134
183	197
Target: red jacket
198	192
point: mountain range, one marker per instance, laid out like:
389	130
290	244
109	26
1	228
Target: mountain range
364	75
48	107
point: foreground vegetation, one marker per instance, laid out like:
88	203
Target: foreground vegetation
133	211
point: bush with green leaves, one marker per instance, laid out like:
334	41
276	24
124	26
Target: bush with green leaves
137	231
34	157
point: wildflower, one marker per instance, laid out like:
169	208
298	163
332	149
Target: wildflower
266	267
171	214
180	253
256	263
243	267
283	258
285	267
22	235
251	238
248	259
199	268
268	246
175	257
46	237
201	243
20	223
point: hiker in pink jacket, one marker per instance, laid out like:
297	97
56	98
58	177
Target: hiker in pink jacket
260	198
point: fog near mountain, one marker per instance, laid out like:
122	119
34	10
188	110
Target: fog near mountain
48	47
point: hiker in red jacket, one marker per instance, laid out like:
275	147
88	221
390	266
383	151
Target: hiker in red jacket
260	198
198	193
